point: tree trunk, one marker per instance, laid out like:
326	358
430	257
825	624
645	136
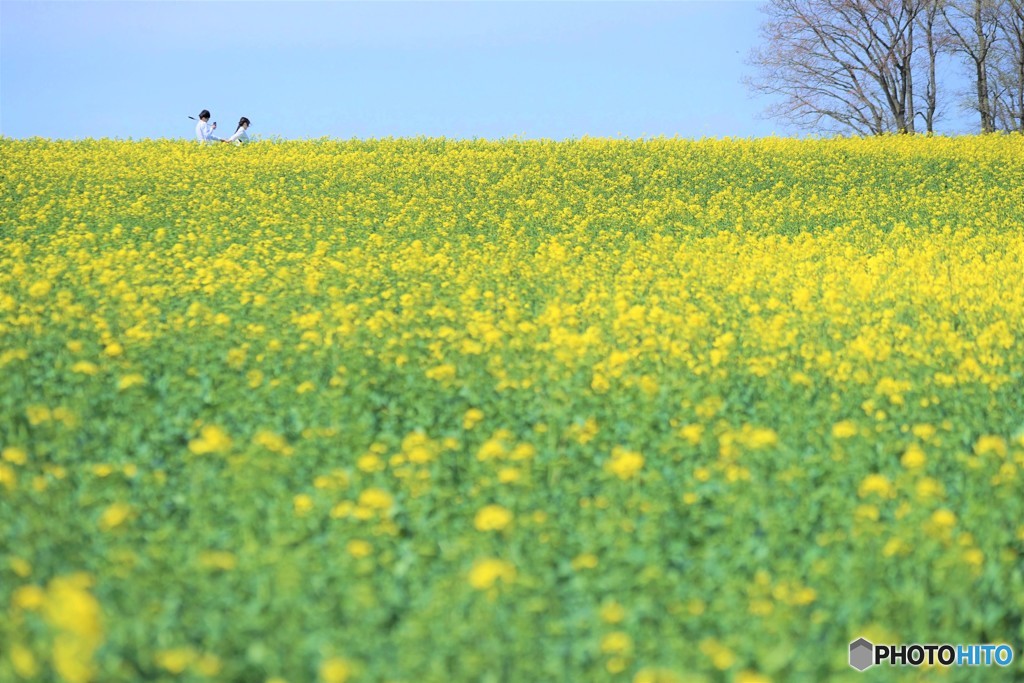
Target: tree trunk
1015	31
931	89
907	66
981	71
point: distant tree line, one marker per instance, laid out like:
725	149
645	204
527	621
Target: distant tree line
870	66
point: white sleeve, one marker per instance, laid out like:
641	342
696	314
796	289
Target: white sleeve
204	131
238	133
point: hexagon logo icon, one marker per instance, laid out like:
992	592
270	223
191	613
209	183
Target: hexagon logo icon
861	654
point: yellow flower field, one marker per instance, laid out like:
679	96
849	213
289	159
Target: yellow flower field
437	410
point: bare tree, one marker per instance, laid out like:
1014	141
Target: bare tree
927	20
973	28
845	65
1008	66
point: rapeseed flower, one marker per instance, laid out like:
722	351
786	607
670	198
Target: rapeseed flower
737	329
844	429
875	484
486	572
335	670
990	444
492	518
211	439
115	515
624	463
913	458
14	455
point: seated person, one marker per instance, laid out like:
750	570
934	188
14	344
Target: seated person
240	135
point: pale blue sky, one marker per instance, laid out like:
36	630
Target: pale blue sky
377	69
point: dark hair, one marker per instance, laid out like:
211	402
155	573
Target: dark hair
243	120
204	114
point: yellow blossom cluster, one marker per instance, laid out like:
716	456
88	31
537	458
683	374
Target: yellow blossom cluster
425	409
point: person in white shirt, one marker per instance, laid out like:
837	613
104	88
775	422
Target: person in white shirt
240	135
204	130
